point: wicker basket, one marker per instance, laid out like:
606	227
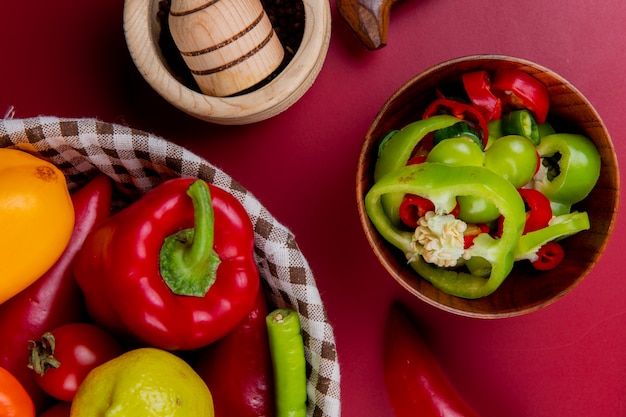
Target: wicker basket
137	161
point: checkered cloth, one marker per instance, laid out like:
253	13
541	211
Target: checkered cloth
137	161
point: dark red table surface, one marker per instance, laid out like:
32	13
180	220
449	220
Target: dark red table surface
70	59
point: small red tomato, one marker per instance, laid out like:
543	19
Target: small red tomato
58	410
67	354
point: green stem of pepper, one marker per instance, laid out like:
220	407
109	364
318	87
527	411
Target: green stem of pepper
289	364
188	262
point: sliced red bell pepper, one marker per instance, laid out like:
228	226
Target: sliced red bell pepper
539	211
549	256
54	299
523	91
460	110
238	368
414	380
477	85
175	269
412	208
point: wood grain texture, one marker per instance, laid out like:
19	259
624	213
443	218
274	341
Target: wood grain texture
368	20
525	290
228	45
142	29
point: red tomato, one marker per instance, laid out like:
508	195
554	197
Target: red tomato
79	347
58	410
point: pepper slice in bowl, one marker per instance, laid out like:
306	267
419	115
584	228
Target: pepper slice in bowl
442	184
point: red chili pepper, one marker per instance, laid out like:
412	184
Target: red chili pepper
238	368
500	227
414	380
418	158
539	211
472	231
478	88
456	210
550	256
54	299
460	110
538	164
412	208
522	90
175	269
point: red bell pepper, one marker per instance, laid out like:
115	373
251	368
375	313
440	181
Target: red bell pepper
414	380
238	368
462	111
523	91
549	256
539	211
175	269
54	299
477	85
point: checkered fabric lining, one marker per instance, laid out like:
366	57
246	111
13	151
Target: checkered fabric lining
137	161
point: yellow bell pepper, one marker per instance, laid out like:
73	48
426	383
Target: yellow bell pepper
36	219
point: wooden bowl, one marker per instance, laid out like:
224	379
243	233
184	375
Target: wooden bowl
525	290
142	28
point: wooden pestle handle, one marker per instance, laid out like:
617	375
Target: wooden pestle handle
368	19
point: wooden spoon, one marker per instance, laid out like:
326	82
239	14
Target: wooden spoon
368	19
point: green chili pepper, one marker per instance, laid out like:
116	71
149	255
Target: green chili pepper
521	122
397	150
459	130
560	227
495	130
571	168
545	129
287	350
442	184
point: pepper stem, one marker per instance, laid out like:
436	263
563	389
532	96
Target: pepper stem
187	260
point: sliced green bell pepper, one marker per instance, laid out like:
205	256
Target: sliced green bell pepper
442	184
571	168
398	148
396	151
560	227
